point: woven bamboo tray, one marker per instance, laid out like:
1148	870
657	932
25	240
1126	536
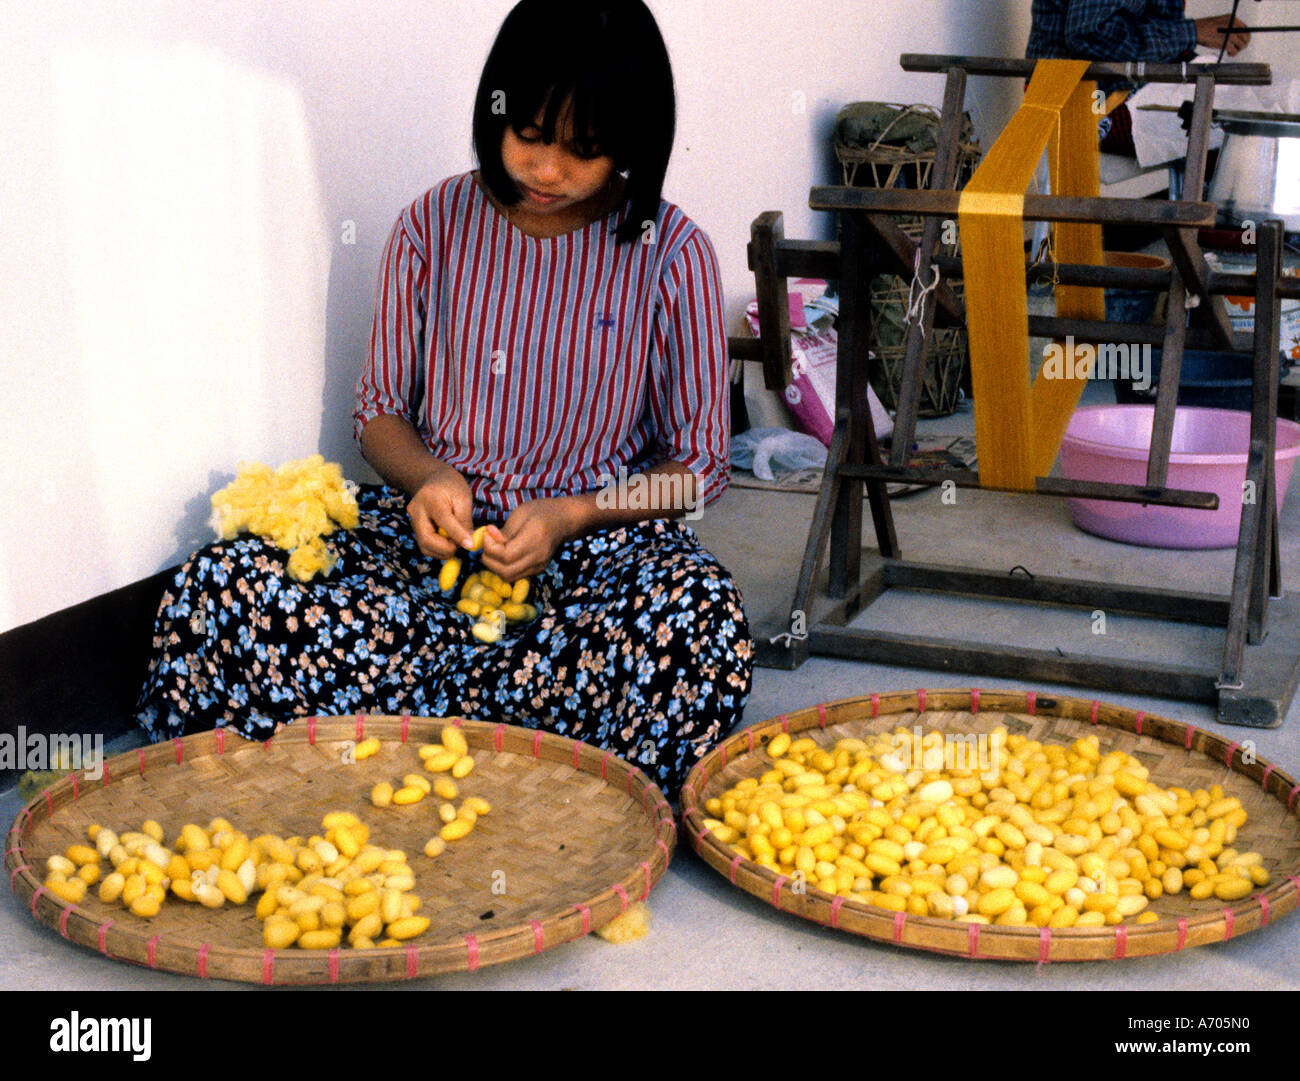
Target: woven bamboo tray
574	836
1176	754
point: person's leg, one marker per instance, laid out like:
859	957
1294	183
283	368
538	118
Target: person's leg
641	647
238	642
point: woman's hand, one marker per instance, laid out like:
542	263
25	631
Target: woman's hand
1207	34
525	544
443	500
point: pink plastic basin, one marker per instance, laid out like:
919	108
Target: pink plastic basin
1208	454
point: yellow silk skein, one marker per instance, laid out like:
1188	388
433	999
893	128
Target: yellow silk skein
1019	426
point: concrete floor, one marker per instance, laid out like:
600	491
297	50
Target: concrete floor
705	933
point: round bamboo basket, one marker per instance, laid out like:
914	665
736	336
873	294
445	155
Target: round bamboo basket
1176	754
575	835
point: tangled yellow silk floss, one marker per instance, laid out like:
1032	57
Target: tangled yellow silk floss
1019	426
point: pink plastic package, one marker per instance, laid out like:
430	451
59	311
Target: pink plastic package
810	397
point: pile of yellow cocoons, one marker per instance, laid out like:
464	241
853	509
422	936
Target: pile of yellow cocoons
1036	835
314	891
451	760
294	507
486	597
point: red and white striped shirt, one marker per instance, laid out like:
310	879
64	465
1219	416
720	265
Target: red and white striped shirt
538	367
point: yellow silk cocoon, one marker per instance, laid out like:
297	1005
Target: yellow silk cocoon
1018	426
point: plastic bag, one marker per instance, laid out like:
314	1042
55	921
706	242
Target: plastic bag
761	450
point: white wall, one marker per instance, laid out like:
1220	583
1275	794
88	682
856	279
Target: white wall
182	180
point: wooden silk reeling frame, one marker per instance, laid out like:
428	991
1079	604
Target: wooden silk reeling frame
1019	426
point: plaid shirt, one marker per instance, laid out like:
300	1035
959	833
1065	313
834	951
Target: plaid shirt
1119	30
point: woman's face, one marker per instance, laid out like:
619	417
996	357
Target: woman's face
557	180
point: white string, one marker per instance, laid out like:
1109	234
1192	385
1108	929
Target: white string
787	638
916	293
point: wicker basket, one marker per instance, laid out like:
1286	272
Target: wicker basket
884	165
1176	754
575	834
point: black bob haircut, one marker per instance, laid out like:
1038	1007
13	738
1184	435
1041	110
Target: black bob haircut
609	60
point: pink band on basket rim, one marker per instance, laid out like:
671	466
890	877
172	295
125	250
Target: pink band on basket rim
750	733
496	737
537	744
821	714
180	750
361	727
1092	712
1182	932
75	788
974	700
412	961
471	951
781	880
15	872
659	841
539	938
151	950
1044	945
1031	702
1264	907
268	966
1295	881
973	940
724	756
311	731
1232	749
646	867
204	950
221	740
141	754
406	726
785	723
731	872
900	918
1229	920
103	936
104	769
63	920
49	803
920	701
36	897
875	706
1187	737
605	759
1121	942
622	895
334	965
586	918
836	905
1138	721
1263	781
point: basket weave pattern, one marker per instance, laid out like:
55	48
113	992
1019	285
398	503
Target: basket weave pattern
1176	754
574	836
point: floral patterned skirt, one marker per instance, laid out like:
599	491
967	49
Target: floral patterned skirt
641	645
